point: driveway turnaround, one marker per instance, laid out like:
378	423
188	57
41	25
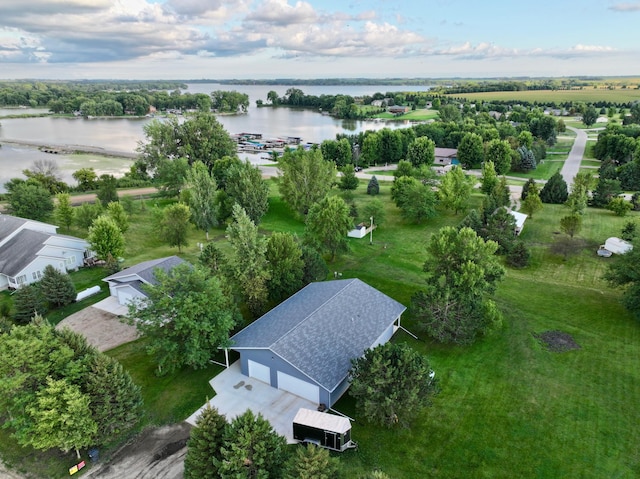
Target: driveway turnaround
235	393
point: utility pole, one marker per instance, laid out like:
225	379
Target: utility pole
371	231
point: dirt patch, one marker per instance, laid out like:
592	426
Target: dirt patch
557	341
156	452
102	329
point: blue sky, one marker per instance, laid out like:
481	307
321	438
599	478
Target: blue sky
219	39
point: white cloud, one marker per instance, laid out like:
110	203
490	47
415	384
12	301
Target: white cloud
626	7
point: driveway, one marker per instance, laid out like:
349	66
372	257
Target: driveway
235	393
571	165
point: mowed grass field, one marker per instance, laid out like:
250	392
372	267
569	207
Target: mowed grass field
507	407
587	95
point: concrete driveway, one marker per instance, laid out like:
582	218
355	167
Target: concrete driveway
111	305
235	393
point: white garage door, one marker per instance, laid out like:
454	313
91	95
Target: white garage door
299	387
124	297
259	371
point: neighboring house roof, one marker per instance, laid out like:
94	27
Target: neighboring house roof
445	152
322	327
17	253
519	217
9	224
144	272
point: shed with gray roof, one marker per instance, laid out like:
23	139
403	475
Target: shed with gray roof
305	344
127	285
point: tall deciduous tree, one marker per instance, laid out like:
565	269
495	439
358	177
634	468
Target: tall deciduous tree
30	201
455	189
286	267
532	204
571	224
247	262
462	272
205	440
328	223
247	188
499	151
171	176
105	238
624	271
63	211
391	383
422	152
202	197
107	189
86	178
57	287
417	201
86	213
305	178
252	449
174	224
489	177
116	212
186	316
470	152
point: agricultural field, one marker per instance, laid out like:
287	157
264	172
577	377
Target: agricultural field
586	95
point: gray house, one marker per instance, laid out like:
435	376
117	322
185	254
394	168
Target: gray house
305	344
126	285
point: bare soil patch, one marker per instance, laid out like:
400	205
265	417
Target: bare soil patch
557	341
102	329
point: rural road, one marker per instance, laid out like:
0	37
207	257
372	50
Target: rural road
572	163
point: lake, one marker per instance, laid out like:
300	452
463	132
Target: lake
124	134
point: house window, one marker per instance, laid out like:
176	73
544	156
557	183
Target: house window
36	275
70	260
22	279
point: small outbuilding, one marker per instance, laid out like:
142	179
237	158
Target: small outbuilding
617	245
323	429
520	219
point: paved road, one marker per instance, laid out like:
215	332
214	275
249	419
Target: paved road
572	164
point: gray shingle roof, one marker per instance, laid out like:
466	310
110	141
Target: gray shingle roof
322	327
145	269
8	224
21	250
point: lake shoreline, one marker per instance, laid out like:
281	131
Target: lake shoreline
69	149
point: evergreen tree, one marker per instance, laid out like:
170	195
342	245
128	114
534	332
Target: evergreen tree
373	188
532	204
28	301
107	189
315	267
555	190
525	188
57	287
252	449
519	255
205	440
212	258
527	159
348	179
311	462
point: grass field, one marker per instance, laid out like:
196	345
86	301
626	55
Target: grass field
507	407
587	95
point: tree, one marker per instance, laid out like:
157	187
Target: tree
470	152
203	447
116	212
60	417
107	189
202	197
417	201
247	188
619	206
348	179
171	175
305	178
455	189
200	137
489	178
252	449
571	224
86	178
174	225
525	139
518	256
462	271
315	267
186	316
28	301
247	262
375	209
371	148
328	223
629	230
86	213
391	383
30	201
57	287
105	238
590	116
373	188
311	462
527	159
45	173
499	152
555	190
63	211
421	152
532	204
605	191
286	267
625	271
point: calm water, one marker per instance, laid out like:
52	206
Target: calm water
124	134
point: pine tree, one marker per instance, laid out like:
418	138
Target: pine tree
525	188
348	180
27	302
555	190
57	287
203	449
373	188
311	462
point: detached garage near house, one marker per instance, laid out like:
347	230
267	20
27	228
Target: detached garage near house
305	344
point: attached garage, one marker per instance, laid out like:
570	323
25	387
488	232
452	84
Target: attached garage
259	371
124	296
296	386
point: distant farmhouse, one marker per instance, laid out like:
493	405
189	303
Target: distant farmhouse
28	246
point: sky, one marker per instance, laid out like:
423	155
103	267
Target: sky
266	39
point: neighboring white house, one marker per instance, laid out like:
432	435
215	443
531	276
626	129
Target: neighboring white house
520	219
28	246
126	285
305	344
